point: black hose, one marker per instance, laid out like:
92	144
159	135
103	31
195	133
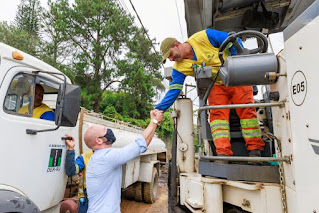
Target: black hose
173	173
204	101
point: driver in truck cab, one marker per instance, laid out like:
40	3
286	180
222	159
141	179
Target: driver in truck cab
202	47
41	110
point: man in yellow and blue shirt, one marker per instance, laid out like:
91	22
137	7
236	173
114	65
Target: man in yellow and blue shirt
76	167
203	47
41	110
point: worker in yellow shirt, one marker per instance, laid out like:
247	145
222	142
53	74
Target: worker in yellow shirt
76	167
41	110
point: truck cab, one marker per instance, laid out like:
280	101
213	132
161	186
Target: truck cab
32	152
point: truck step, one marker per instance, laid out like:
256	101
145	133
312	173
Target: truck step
239	172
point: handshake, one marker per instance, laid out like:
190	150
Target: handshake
156	116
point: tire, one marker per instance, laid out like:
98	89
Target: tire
129	193
138	191
150	189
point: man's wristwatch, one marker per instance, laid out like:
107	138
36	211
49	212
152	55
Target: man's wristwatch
155	121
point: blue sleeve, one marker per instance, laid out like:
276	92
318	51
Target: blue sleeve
49	115
69	163
73	167
129	152
216	38
79	162
174	89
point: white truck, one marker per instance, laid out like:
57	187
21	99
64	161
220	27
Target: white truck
32	153
287	180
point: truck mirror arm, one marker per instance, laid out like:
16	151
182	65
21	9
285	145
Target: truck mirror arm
34	132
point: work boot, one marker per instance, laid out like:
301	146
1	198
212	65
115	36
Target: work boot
254	153
221	161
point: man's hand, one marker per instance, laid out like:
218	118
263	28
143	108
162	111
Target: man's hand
70	143
150	129
157	114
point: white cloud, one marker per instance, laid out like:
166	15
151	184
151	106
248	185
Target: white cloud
8	10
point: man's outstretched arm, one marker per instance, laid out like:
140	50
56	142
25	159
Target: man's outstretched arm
150	129
132	150
174	89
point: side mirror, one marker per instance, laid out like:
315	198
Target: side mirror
68	105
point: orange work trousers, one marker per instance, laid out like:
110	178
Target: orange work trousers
219	118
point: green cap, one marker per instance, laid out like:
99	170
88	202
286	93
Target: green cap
165	47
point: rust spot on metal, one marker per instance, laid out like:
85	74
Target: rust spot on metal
246	203
290	10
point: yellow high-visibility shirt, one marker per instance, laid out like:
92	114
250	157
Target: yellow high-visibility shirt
37	112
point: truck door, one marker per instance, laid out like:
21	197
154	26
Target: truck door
33	164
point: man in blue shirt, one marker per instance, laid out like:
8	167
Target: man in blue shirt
104	170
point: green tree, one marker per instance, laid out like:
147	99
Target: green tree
28	16
18	38
113	98
141	76
166	128
55	48
98	30
140	49
111	112
103	36
137	84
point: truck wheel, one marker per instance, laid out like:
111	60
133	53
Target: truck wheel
129	193
150	189
139	191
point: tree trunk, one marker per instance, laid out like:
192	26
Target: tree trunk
96	106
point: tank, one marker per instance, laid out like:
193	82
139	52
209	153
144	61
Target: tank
124	133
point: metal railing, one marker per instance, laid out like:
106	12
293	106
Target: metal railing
235	106
250	159
111	122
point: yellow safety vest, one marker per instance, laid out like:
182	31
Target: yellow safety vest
37	112
86	157
205	52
